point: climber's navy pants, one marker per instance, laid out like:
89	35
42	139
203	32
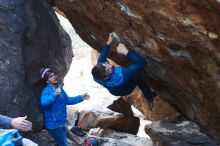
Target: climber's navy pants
143	86
59	135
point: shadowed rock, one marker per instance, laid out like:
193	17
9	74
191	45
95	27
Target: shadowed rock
181	133
30	38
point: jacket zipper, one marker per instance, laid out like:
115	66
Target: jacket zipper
54	118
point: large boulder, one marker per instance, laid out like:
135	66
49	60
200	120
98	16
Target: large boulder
88	119
181	39
177	132
30	38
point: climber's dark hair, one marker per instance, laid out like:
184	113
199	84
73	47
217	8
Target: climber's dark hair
99	72
51	2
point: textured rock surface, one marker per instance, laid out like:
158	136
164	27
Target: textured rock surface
42	138
30	38
104	119
177	133
181	38
122	137
121	106
159	109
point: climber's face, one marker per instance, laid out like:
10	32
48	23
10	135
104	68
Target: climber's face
108	69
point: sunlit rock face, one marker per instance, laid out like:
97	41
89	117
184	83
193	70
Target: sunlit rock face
30	38
108	119
181	38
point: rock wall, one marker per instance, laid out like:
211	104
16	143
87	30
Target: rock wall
181	38
177	133
30	38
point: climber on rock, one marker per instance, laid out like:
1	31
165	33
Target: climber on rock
121	81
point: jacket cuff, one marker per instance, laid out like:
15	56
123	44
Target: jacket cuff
5	121
106	45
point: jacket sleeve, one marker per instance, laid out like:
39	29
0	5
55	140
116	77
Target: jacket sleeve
72	100
47	97
139	63
5	122
104	53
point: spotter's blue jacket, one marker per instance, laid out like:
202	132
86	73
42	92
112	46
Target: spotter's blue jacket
54	107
